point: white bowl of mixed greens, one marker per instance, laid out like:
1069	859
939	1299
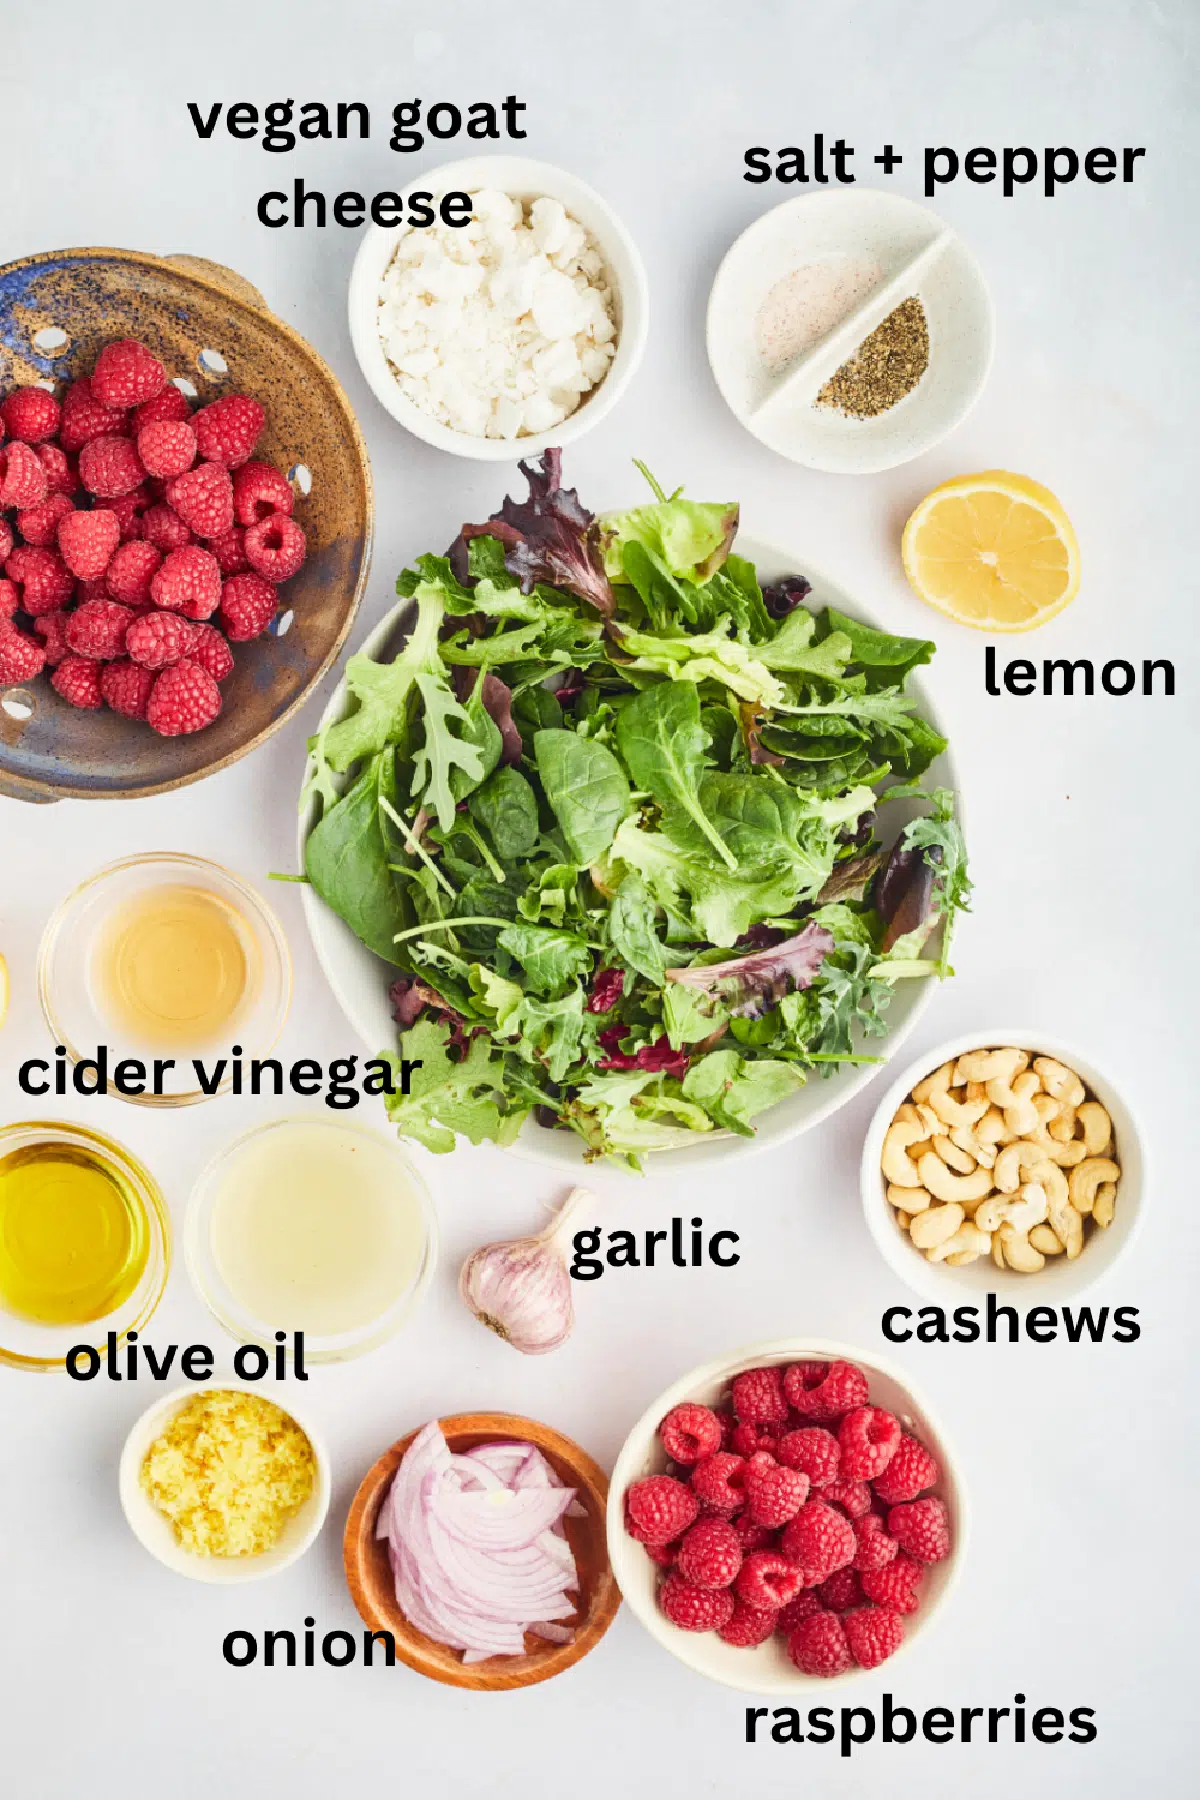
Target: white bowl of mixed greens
657	839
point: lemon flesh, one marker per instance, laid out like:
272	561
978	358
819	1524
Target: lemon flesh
994	551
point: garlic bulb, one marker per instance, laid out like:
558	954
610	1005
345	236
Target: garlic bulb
521	1289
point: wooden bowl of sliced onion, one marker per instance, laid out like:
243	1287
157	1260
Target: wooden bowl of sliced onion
479	1543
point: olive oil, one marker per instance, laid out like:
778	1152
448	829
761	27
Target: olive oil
74	1237
175	967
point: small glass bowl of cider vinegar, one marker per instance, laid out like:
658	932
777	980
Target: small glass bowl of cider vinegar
168	962
85	1244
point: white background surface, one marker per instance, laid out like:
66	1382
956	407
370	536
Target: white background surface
1081	817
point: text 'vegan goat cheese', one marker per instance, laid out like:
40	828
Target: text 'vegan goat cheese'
498	328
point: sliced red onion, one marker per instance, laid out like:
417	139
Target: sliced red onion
476	1545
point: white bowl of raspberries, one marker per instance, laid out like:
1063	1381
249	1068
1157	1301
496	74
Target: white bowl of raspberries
786	1516
140	541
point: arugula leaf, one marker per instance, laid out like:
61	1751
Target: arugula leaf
506	807
664	745
449	765
384	690
550	958
346	859
447	1097
793	650
586	789
951	884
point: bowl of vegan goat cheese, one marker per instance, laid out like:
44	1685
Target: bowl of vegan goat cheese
518	326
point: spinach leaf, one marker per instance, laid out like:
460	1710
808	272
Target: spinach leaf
586	788
506	807
873	649
549	958
664	745
346	859
631	929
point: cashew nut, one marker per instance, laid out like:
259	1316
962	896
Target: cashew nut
1086	1179
894	1160
1096	1126
990	1065
956	1112
963	1137
1065	1155
952	1156
1045	1108
1106	1200
975	1090
997	1250
935	1225
1026	1157
909	1200
1061	1124
945	1185
991	1129
937	1083
967	1243
1016	1100
1023	1214
1067	1226
1061	1082
1043	1239
933	1125
1019	1253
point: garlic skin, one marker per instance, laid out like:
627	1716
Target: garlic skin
520	1288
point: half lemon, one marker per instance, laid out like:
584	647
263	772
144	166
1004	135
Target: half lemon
995	551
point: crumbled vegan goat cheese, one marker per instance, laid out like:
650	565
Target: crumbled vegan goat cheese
499	327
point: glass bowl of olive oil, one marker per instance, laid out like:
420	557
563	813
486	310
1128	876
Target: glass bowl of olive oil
85	1244
168	973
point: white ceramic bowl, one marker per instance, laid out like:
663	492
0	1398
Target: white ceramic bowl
917	255
154	1531
1060	1279
360	980
526	179
767	1668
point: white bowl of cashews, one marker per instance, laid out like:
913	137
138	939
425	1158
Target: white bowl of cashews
1002	1162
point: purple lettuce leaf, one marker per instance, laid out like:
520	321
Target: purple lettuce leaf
749	986
550	537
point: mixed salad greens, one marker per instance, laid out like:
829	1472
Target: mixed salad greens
614	815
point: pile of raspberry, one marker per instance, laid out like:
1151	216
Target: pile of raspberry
138	540
798	1510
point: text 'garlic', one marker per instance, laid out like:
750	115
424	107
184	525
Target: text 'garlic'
521	1289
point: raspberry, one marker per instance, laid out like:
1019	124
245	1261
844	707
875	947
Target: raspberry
867	1438
168	448
896	1585
31	415
87	540
813	1450
10	599
230	552
6	541
276	549
773	1494
819	1540
210	650
126	374
873	1634
922	1527
875	1548
126	687
768	1580
97	630
85	418
717	1481
21	657
96	589
747	1626
854	1497
184	698
163	527
841	1591
229	428
825	1390
158	639
258	491
42	576
189	582
60	475
129	510
728	1426
77	679
710	1554
51	627
662	1554
694	1608
23	481
39	524
802	1607
757	1393
750	1440
688	1432
129	574
109	466
168	405
203	498
818	1646
751	1535
659	1508
909	1472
